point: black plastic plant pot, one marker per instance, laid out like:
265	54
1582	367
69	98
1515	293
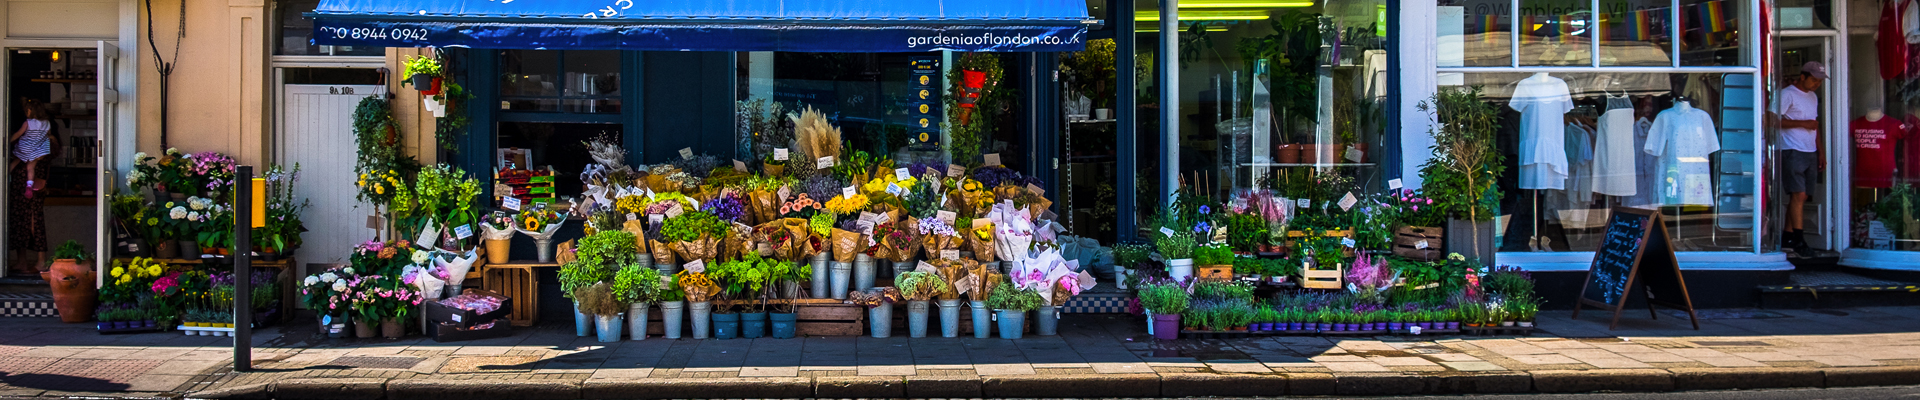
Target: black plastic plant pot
423	82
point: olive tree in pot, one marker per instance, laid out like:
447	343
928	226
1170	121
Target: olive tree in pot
1462	173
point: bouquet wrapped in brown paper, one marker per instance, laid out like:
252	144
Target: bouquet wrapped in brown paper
983	279
706	248
903	239
639	230
847	244
790	239
764	205
662	252
979	240
955	272
563	254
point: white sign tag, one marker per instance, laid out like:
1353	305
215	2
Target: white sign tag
926	268
901	174
1346	203
848	192
1355	155
1166	232
696	266
866	228
1393	183
1347	242
686	153
1306	203
992	159
655	218
675	211
429	235
1422	245
1037	191
739	165
955	170
945	215
463	232
780	154
894	189
950	254
631	216
510	203
824	163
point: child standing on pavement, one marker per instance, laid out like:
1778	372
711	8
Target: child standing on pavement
31	143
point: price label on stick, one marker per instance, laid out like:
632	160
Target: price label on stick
373	222
1347	242
1166	232
739	165
1306	203
510	203
631	216
1346	203
429	235
901	174
848	192
1393	183
992	159
1036	190
675	211
1422	245
824	163
656	218
780	154
696	266
955	170
1355	155
945	215
894	189
686	153
464	231
950	254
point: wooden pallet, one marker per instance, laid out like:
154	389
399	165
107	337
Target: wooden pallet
515	280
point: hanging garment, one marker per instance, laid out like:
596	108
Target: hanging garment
1683	137
1613	144
1891	41
1543	102
1646	188
1910	21
1569	206
1703	91
1873	144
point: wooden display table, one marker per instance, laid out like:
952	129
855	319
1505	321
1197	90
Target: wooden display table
515	279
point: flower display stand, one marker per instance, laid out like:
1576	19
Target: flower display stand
515	280
289	287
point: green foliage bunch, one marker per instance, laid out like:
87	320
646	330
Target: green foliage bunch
1179	245
1164	298
1213	254
1005	296
636	283
690	225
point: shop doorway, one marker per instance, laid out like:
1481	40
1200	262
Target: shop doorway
1821	231
65	85
315	130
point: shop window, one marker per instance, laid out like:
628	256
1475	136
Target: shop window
1473	36
1283	98
573	82
296	33
1577	145
1556	33
876	101
557	145
1636	34
1710	32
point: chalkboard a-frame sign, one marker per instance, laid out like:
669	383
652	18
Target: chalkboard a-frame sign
1635	253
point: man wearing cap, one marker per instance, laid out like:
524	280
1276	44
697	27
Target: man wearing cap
1797	109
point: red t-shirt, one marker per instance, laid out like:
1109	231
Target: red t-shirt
1873	144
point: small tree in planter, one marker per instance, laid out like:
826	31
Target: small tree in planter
1461	175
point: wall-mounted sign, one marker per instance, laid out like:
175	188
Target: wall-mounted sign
924	110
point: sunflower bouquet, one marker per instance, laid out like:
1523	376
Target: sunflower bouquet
697	286
538	222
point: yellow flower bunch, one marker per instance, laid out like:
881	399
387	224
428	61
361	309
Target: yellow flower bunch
142	269
696	285
631	204
378	184
984	232
843	205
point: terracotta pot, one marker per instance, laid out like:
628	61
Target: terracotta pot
166	249
363	328
74	295
1309	153
392	328
1288	154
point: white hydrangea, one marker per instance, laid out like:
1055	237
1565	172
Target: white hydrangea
311	280
177	213
329	277
135	176
339	286
421	257
348	270
193	215
140	155
199	203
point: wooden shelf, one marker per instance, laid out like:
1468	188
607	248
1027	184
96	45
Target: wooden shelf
45	80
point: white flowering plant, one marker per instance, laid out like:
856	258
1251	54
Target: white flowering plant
329	292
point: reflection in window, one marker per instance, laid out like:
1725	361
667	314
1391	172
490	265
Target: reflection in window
296	33
1585	143
577	81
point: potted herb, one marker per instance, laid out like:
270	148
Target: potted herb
1127	256
1214	260
639	287
1461	176
1011	304
595	260
673	306
424	73
1177	248
1164	302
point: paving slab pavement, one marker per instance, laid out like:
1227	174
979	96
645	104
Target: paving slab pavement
1094	354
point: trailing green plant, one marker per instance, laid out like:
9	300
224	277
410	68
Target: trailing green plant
415	65
1213	254
968	133
1005	296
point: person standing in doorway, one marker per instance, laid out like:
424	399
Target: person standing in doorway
1797	110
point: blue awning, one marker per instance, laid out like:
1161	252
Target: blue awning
708	25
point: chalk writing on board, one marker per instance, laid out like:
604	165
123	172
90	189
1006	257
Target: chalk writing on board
1615	258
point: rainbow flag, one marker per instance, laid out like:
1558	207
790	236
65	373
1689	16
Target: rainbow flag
1527	26
1489	24
1713	15
1564	31
1641	23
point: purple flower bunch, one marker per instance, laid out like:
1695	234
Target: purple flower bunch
821	187
728	207
936	226
995	176
922	169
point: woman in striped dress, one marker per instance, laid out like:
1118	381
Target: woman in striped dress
32	142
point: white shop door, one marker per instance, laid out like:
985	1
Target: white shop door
316	132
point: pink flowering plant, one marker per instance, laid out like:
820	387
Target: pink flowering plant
330	292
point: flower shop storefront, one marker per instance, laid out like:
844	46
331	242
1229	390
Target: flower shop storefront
668	163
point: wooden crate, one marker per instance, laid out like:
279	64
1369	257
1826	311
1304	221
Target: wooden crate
1322	278
516	281
1217	273
1419	243
831	318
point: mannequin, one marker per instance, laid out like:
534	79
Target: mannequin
1874	138
1543	102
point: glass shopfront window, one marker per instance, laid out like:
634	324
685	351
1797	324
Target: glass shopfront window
1270	95
1475	33
1580	144
579	81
